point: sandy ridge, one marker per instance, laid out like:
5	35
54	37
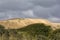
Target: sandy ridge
20	23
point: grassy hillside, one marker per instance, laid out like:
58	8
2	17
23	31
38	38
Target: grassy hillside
31	32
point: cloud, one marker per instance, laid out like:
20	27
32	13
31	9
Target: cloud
16	5
41	11
28	13
54	19
45	3
58	1
55	11
29	8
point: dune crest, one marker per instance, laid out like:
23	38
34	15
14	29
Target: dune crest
20	23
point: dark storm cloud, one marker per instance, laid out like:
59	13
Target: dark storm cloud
16	5
41	12
14	8
49	9
58	1
56	11
44	3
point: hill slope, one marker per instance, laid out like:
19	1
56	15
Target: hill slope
20	23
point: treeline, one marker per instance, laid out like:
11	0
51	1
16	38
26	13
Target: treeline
31	32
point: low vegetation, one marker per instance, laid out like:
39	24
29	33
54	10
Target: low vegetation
55	35
37	29
31	32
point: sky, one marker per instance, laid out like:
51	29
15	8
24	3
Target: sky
47	9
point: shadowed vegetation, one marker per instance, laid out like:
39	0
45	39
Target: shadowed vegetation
37	29
55	35
31	32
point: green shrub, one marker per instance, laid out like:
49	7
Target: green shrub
55	35
41	37
2	29
31	32
5	36
36	29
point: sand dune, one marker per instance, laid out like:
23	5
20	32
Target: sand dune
16	23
